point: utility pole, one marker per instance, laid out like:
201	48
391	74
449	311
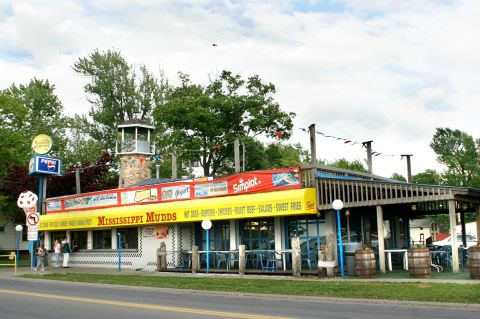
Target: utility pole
243	157
236	151
409	167
313	144
174	166
77	180
368	146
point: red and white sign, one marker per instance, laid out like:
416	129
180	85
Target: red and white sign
33	219
27	199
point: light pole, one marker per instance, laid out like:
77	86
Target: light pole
19	229
338	205
207	224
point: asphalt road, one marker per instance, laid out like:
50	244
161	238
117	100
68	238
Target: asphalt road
26	299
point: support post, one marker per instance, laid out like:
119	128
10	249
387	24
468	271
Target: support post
464	231
453	235
207	258
331	240
119	245
162	257
296	257
40	194
381	239
157	171
368	146
195	259
340	244
77	181
409	167
313	144
242	261
478	221
236	151
243	157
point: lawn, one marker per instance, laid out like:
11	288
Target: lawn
440	292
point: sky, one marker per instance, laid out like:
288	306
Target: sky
386	71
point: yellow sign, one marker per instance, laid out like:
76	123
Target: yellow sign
42	144
280	203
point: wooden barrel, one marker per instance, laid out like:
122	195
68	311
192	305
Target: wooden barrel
419	262
474	261
365	264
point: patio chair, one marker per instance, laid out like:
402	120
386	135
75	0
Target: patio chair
186	259
203	260
271	261
232	259
221	258
310	259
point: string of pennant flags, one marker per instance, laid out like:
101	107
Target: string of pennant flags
351	142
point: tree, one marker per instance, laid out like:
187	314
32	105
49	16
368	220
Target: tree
429	177
459	152
398	177
117	92
354	165
284	155
201	123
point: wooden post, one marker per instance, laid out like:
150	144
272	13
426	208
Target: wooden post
195	260
381	239
409	167
242	261
236	152
464	231
368	146
296	257
77	180
313	144
453	235
174	166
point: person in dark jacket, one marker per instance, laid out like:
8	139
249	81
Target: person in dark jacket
65	252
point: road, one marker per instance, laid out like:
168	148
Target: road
39	299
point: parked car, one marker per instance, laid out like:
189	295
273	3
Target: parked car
471	241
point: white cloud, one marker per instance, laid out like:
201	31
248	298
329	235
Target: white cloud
389	71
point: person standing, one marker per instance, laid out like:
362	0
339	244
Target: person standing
41	258
66	252
57	248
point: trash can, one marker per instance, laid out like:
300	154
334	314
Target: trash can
349	251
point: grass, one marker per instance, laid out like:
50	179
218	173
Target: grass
440	292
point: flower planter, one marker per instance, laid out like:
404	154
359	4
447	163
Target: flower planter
474	261
365	264
419	262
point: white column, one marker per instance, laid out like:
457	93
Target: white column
48	242
89	239
453	235
277	229
233	235
67	234
381	239
114	238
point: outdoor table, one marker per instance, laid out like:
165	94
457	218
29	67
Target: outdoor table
389	257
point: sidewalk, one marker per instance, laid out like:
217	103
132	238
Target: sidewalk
9	272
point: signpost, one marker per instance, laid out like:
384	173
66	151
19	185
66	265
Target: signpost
28	201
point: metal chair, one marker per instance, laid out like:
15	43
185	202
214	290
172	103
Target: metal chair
221	258
310	259
271	261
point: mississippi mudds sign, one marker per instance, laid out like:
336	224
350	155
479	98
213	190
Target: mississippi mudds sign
281	203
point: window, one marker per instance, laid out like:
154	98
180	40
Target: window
129	237
78	240
102	239
310	231
258	234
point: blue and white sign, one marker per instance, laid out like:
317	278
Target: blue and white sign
45	165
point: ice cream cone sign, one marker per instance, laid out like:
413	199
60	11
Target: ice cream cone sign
28	201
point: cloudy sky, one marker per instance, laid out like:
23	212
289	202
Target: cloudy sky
387	71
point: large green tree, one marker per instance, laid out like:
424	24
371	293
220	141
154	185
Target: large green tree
117	91
460	153
354	165
202	122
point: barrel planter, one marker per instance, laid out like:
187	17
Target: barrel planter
419	262
474	261
365	264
